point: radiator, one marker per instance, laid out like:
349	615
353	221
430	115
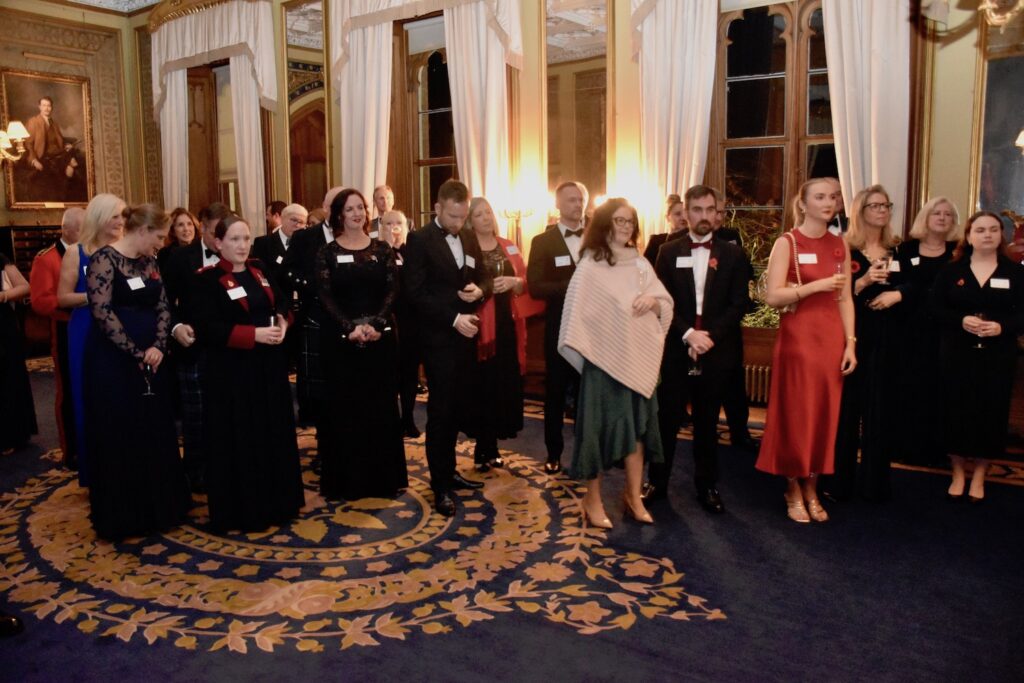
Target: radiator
757	379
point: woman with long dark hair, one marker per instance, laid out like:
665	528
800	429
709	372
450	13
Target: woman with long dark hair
184	230
616	315
978	300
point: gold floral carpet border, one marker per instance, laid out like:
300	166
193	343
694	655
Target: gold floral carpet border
342	575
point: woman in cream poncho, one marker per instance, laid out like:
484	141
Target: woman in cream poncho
613	331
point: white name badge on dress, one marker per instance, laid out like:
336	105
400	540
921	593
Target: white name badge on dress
470	261
373	235
915	260
513	249
999	283
345	258
684	262
279	259
894	266
562	261
136	283
236	293
807	259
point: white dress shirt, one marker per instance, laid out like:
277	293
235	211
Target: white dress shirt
701	257
571	241
455	244
284	238
328	233
209	260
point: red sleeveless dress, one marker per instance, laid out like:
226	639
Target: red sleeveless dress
806	381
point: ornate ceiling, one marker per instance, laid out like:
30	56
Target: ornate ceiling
577	29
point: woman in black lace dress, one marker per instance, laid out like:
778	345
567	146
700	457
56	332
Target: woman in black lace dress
361	447
240	316
137	484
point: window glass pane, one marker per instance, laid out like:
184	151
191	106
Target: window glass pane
431	178
437	135
756	108
438	94
757	47
754	176
819	105
816	42
821	161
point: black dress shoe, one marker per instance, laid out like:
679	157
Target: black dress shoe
483	467
747	443
496	462
710	500
444	504
10	625
649	492
553	466
460	482
412	431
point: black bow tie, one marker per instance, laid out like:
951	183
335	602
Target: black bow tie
209	253
573	233
701	245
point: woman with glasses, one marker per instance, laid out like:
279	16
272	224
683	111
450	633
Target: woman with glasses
616	315
978	300
866	422
933	237
360	438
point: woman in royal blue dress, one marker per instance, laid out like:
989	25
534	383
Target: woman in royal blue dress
102	225
137	484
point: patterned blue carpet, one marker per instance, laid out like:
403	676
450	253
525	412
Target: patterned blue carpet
516	586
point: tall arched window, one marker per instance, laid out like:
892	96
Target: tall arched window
435	139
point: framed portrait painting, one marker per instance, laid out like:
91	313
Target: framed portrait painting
57	168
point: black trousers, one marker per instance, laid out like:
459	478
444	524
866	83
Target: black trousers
734	401
704	392
409	358
559	377
446	368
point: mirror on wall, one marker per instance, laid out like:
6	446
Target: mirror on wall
577	81
307	104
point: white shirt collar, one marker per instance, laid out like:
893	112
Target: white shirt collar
701	240
328	233
565	228
66	245
283	237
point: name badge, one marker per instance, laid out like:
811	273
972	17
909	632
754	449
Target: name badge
236	293
263	281
279	259
915	260
346	258
470	261
999	283
136	283
894	266
373	235
513	249
562	261
807	259
684	262
398	261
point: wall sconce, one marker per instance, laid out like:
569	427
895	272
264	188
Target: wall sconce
13	138
1000	12
516	216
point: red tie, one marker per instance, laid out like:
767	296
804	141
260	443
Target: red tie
701	245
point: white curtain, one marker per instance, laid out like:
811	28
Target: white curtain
867	43
361	63
242	32
677	49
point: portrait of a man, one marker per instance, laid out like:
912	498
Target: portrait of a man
57	166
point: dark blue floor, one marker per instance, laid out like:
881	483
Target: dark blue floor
914	589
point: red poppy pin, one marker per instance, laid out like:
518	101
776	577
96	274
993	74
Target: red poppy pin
155	275
230	283
838	253
960	282
713	263
854	267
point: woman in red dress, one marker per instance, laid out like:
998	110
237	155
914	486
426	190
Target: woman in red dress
809	268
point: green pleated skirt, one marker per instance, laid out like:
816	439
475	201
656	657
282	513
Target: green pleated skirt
610	420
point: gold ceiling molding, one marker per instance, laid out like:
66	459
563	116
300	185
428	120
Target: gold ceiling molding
169	10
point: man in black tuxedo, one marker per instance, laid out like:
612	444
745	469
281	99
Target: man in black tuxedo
734	398
271	248
839	223
707	279
297	279
553	257
273	215
446	282
383	201
181	267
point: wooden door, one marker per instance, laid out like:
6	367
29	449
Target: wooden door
309	155
203	166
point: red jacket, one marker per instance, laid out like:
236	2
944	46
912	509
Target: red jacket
42	283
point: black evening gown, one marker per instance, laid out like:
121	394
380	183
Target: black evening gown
919	380
410	353
17	410
254	479
978	372
360	440
866	414
495	410
137	483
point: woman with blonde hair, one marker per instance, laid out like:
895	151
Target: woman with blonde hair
866	419
933	237
675	215
808	274
102	224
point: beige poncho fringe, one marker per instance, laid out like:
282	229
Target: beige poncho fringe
598	322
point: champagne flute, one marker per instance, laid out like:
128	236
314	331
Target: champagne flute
839	271
980	344
145	376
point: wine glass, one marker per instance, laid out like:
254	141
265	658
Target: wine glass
839	271
886	260
145	376
980	344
